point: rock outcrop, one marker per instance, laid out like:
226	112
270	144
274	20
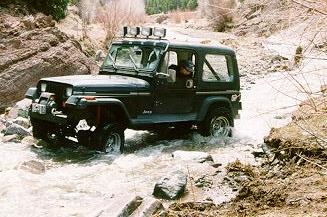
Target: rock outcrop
31	47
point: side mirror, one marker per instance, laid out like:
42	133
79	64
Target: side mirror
162	78
100	56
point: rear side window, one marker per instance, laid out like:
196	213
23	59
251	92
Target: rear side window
215	69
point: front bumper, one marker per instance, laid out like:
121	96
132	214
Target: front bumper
58	119
45	109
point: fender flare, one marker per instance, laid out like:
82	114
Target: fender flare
81	103
210	101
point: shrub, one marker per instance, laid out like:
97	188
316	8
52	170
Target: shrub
163	6
117	13
220	12
55	8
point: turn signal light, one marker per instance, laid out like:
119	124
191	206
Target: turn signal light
89	97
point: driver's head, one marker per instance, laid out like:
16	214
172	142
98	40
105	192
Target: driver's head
187	68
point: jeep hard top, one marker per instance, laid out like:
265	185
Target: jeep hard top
138	87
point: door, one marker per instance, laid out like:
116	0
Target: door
178	95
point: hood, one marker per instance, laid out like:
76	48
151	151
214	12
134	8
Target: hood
102	83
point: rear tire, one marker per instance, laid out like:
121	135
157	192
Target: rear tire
218	122
110	139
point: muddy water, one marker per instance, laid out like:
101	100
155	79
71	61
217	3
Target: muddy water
80	182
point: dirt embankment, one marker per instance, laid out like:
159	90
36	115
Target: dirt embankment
31	47
292	180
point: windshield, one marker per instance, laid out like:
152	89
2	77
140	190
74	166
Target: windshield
137	57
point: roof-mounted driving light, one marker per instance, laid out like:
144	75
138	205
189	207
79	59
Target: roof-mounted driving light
159	32
146	31
134	31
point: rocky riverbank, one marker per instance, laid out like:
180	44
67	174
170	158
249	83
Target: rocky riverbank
292	179
31	47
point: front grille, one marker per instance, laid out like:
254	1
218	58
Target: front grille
60	93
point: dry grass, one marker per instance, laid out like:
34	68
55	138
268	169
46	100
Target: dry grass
178	16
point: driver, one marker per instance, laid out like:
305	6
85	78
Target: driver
185	71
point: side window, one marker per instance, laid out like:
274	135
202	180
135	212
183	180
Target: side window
215	69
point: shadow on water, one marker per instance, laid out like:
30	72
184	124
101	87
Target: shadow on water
66	151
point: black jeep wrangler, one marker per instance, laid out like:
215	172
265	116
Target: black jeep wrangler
140	86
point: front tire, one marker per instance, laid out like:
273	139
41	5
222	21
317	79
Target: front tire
217	123
44	130
110	139
39	130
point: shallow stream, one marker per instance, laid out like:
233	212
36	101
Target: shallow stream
79	182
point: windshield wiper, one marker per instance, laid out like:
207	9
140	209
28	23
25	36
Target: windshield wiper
113	61
134	63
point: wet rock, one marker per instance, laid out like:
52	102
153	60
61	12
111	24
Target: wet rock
130	207
209	199
279	117
241	178
217	172
215	165
155	207
29	140
13	128
196	156
20	109
258	153
24	122
10	138
203	182
2	126
33	166
171	186
162	213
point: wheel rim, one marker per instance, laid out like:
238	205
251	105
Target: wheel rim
113	144
220	126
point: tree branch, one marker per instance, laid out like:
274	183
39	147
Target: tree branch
306	6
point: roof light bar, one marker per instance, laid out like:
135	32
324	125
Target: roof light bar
144	31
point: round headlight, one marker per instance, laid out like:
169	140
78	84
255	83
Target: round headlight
69	91
43	87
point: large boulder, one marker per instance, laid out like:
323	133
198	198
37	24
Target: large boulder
24	122
13	128
152	209
20	109
31	48
172	186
